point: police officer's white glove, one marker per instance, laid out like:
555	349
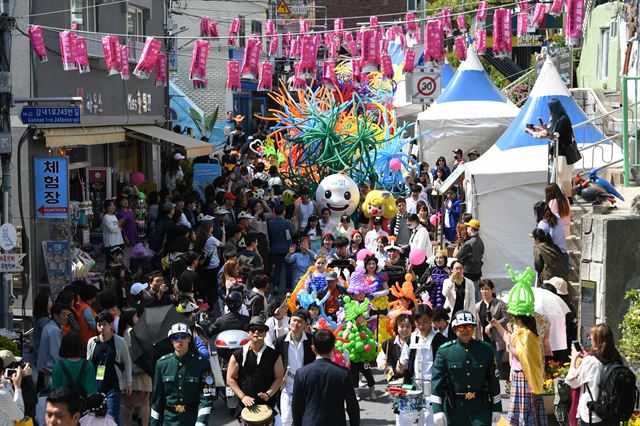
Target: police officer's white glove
495	418
439	419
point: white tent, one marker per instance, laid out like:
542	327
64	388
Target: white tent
504	183
471	113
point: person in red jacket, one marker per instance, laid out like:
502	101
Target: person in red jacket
86	315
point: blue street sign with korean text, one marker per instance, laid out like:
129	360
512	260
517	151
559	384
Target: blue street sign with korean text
52	187
53	115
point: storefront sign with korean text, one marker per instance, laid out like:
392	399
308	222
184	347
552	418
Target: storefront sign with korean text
11	262
52	187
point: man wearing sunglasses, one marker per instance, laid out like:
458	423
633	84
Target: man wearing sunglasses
465	387
184	387
255	370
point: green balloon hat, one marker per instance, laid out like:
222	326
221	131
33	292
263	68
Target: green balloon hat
521	298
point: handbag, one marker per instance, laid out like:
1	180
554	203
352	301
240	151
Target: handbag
24	422
572	154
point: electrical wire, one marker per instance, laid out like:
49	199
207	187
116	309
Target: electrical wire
418	20
53	12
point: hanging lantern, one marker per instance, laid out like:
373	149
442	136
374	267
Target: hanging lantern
373	21
273	45
234	30
434	41
498	37
269	28
68	50
481	16
370	52
147	62
265	82
213	29
481	41
233	76
460	48
251	62
37	42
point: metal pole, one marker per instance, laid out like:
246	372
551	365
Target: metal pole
625	131
168	42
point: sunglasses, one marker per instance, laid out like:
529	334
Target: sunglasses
257	330
179	336
467	327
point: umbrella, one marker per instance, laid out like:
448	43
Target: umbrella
547	303
152	327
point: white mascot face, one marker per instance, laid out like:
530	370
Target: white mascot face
339	193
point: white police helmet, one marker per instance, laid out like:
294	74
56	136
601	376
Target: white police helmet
179	328
463	318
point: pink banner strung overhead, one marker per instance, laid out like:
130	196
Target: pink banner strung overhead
498	36
269	28
386	66
556	8
233	76
124	62
574	20
308	56
538	14
161	70
373	21
445	18
481	41
251	61
82	55
199	57
329	78
338	27
482	12
409	61
410	24
305	27
462	24
506	31
273	45
37	42
265	82
523	5
460	47
213	29
111	53
370	52
522	24
204	27
356	69
147	62
234	30
434	41
68	50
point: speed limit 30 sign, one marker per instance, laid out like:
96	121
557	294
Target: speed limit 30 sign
424	85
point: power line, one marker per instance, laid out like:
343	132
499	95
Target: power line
71	9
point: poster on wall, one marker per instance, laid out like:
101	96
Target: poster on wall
51	185
57	262
203	175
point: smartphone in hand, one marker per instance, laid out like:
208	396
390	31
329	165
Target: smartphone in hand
577	346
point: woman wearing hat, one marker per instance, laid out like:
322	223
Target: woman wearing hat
433	278
174	175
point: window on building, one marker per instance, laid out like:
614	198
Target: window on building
241	33
613	28
83	14
603	60
411	5
135	23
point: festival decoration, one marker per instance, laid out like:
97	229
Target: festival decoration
556	8
380	204
198	68
82	55
37	42
233	75
445	19
305	300
251	62
409	62
339	193
338	27
137	178
329	78
68	50
362	347
573	21
370	52
522	24
538	15
161	70
362	253
481	16
124	62
521	299
147	62
111	54
234	29
386	67
434	42
462	24
481	41
384	329
266	77
395	164
461	48
417	256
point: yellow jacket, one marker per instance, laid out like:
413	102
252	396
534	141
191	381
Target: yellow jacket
529	353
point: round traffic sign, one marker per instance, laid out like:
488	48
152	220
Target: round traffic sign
427	86
8	236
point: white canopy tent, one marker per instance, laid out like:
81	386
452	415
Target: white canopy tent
471	113
504	183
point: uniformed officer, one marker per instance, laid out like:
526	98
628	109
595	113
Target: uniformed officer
465	387
184	387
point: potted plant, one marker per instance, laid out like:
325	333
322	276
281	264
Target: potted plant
554	374
630	327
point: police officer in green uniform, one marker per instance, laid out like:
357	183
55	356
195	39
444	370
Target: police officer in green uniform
465	386
184	387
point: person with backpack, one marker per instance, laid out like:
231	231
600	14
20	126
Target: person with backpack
608	392
72	370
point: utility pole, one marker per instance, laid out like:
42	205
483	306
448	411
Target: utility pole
167	43
7	22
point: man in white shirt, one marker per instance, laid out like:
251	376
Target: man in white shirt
111	228
295	350
416	195
419	236
306	208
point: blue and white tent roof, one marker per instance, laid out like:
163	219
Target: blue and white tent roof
548	86
471	114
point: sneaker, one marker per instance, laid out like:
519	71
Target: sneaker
372	393
362	384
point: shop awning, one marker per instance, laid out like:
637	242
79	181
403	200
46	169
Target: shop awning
74	136
192	147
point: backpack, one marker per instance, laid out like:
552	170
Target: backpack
618	395
76	386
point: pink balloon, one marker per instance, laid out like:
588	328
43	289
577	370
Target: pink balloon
137	178
363	253
395	164
417	256
433	220
363	335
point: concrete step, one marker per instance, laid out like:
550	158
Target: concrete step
574	242
578	210
575	228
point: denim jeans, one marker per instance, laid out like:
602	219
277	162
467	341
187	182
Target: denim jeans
278	261
113	401
499	355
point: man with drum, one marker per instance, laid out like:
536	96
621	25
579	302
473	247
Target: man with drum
255	375
465	380
296	352
184	387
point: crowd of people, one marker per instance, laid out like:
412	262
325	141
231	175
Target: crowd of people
232	260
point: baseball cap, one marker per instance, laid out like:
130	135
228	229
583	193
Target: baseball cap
220	211
8	358
458	151
331	276
560	285
178	156
229	196
137	288
474	223
178	329
463	318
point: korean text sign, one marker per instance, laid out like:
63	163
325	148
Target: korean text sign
52	187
